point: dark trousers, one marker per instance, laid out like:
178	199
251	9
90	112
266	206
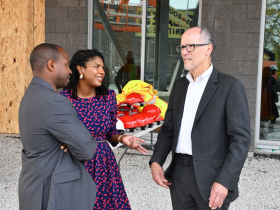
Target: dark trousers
184	191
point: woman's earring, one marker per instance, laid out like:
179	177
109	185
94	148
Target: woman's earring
81	76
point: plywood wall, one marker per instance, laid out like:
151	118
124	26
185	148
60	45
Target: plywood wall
22	24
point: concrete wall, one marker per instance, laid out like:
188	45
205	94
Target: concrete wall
236	26
66	24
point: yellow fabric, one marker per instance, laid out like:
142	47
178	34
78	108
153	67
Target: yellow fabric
162	105
137	86
140	108
146	90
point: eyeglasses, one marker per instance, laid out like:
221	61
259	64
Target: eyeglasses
189	47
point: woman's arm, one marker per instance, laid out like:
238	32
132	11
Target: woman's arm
114	137
131	142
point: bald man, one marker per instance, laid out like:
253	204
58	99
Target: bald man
51	178
207	128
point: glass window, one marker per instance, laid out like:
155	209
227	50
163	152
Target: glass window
116	24
163	35
118	31
270	121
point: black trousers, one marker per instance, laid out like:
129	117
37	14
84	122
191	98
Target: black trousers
184	191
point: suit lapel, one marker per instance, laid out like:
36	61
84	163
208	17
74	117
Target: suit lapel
181	102
207	94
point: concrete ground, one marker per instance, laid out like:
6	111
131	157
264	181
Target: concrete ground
259	183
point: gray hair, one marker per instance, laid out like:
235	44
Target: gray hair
208	38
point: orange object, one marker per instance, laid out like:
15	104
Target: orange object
152	3
140	119
121	10
117	27
159	118
134	98
128	121
153	110
267	73
126	110
149	118
146	90
120	114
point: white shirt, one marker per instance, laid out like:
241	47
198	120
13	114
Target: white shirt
193	97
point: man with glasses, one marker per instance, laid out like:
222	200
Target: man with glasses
207	128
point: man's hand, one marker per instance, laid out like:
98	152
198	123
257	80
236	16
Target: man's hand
64	147
158	175
217	196
132	143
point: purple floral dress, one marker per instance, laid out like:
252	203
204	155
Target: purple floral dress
99	116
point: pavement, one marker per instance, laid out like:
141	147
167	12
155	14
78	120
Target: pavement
259	185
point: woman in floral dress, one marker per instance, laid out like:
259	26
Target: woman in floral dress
96	107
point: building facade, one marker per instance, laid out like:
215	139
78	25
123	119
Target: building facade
146	32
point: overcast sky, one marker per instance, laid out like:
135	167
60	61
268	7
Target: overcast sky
182	4
177	4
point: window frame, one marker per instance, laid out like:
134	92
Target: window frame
261	143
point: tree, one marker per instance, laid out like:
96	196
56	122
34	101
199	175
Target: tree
272	28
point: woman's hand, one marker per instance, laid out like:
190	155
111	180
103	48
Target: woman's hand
132	143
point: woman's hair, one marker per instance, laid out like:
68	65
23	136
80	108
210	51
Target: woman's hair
80	58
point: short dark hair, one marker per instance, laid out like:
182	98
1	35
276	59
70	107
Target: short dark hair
80	58
41	54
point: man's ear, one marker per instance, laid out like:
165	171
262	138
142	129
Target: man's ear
209	49
50	65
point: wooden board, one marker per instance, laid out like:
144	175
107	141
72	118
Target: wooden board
22	24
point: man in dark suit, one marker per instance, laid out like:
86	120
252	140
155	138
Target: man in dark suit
207	128
51	179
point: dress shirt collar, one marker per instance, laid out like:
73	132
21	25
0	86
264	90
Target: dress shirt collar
203	76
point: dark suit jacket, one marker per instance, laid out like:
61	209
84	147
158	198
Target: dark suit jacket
51	179
220	134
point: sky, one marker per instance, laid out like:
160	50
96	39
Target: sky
182	4
177	4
